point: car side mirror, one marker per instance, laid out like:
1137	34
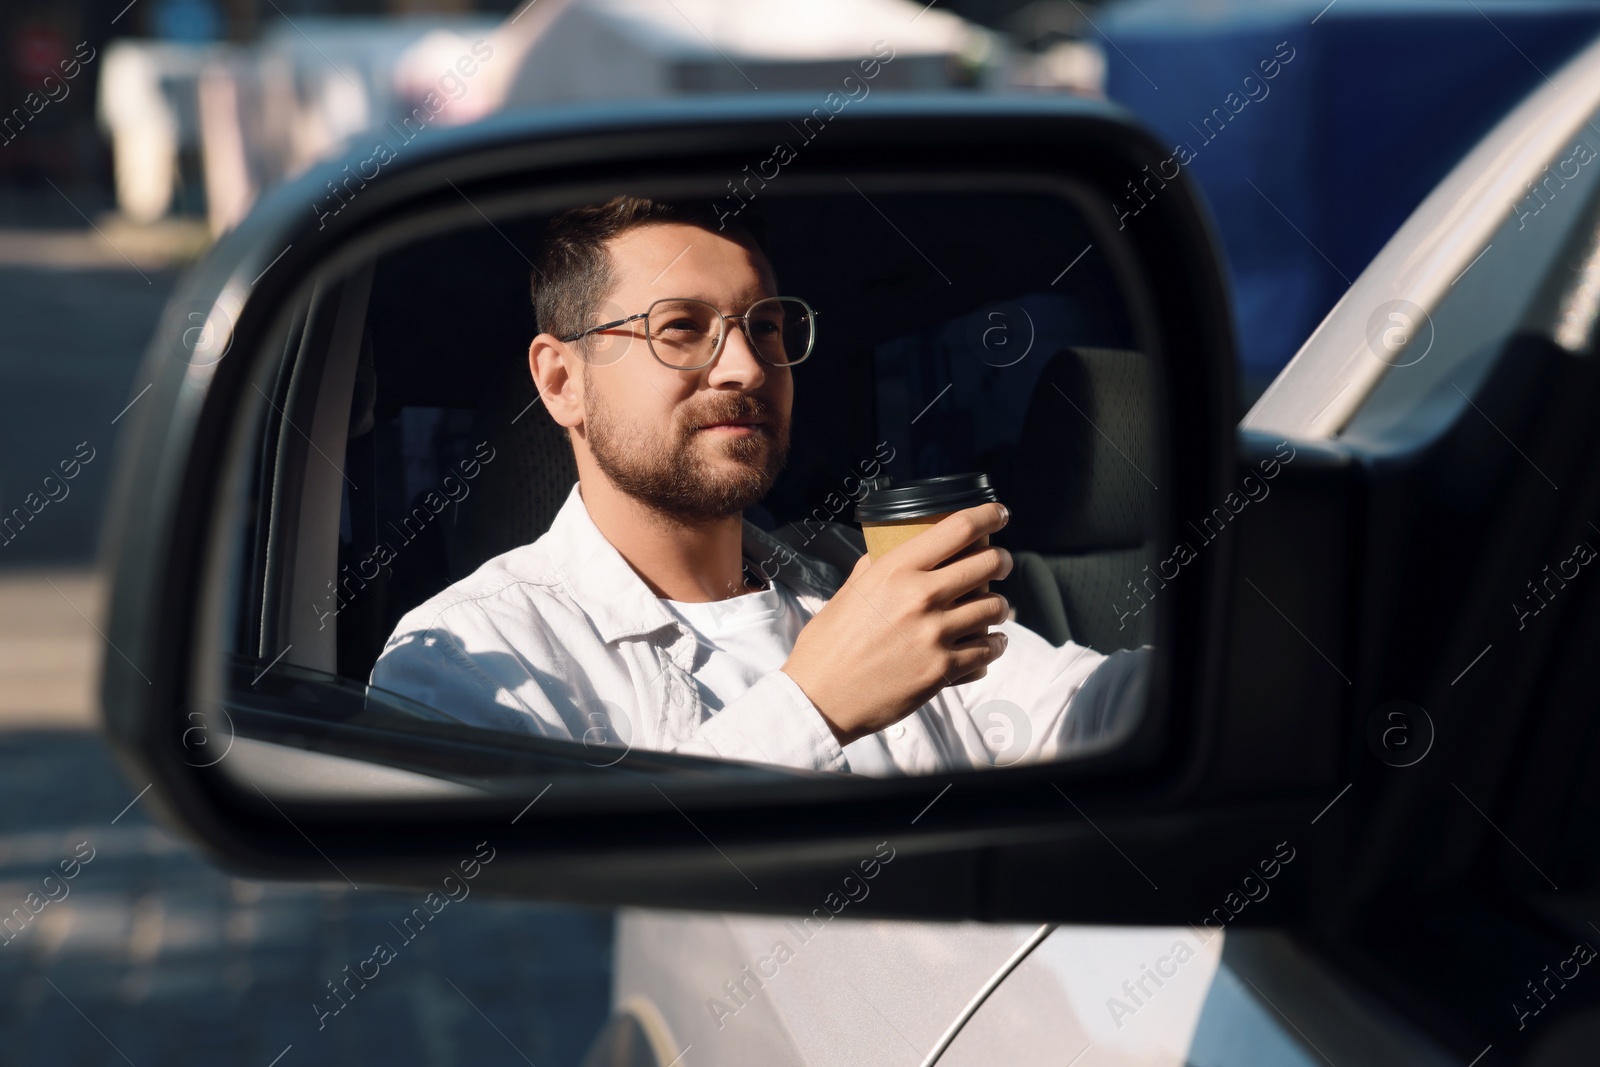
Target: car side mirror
324	367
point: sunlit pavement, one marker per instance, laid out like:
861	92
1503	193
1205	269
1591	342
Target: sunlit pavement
150	955
147	954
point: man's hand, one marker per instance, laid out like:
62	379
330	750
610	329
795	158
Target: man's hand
902	628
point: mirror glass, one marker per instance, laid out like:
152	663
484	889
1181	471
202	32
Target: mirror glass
454	540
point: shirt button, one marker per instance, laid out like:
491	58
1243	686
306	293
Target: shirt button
897	731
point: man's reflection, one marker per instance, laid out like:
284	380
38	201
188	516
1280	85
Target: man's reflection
642	617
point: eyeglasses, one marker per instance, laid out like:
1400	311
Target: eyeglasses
688	334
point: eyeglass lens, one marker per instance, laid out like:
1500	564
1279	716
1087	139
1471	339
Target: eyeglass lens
687	333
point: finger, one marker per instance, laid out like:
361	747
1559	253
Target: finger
987	609
950	535
981	672
979	652
954	580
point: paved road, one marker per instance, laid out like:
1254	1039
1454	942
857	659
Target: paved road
148	955
151	956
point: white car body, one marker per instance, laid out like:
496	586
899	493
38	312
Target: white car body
879	992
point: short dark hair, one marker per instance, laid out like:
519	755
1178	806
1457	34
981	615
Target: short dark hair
573	272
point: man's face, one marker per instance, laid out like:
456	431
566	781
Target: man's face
644	422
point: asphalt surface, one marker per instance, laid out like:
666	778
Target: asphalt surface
147	954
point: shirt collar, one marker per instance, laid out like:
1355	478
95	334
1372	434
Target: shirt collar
618	601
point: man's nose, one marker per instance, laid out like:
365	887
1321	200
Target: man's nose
738	361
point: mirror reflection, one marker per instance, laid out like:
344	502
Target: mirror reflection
855	481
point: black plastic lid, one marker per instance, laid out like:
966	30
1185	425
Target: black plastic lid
921	497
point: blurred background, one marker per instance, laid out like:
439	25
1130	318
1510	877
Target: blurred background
132	134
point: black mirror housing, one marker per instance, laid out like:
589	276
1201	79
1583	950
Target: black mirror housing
778	844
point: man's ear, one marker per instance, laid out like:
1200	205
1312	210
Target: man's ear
558	378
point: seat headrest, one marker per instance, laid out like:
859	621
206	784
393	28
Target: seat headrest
1087	439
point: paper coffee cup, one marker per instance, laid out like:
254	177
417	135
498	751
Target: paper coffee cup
891	513
883	536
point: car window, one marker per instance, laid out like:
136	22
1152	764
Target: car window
1475	262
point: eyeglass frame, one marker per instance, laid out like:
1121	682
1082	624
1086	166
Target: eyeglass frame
722	341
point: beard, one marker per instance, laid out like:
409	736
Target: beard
674	472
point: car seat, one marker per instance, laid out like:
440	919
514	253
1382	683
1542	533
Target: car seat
517	494
1089	541
1087	434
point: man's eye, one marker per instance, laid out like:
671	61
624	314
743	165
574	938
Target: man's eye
766	329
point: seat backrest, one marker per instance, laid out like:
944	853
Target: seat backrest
1088	431
517	495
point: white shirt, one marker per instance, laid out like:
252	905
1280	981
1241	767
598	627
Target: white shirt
747	636
561	638
741	639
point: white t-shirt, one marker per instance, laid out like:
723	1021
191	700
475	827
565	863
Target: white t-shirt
746	637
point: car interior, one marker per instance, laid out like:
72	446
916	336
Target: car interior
966	331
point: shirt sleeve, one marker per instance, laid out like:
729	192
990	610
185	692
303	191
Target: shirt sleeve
502	689
771	722
431	667
1043	702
